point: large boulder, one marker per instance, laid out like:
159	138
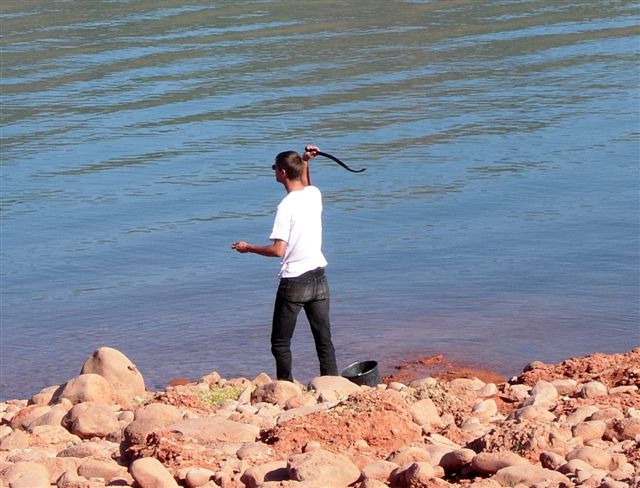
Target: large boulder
574	466
416	474
486	408
197	477
91	419
159	413
150	473
606	414
425	413
44	396
25	474
52	417
123	376
581	414
552	460
535	413
57	466
543	394
456	460
529	475
594	456
625	429
51	435
28	415
489	463
86	388
589	430
255	452
106	469
16	439
378	470
593	389
565	386
323	466
69	479
96	448
215	430
332	387
261	473
409	454
276	392
149	418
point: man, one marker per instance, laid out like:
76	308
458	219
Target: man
297	239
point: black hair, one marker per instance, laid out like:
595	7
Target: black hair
292	163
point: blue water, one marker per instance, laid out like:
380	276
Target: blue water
498	220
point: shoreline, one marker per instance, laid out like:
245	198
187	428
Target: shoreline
436	366
397	367
433	423
402	368
441	368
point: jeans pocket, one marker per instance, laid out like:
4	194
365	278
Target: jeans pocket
296	291
322	290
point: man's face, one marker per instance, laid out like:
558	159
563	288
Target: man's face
280	173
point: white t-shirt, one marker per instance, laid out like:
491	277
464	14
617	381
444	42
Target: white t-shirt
298	222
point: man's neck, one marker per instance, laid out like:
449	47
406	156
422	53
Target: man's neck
293	185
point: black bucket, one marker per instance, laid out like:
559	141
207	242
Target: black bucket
363	373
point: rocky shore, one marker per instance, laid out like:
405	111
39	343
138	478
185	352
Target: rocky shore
576	423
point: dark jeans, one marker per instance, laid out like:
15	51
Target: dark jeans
311	292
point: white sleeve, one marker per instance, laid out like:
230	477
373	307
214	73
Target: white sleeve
281	225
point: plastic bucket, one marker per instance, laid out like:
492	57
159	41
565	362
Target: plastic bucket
363	373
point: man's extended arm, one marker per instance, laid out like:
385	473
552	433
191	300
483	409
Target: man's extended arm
309	153
275	249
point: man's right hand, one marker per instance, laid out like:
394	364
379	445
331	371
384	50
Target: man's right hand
310	152
240	246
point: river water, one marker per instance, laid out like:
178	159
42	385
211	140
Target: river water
497	222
